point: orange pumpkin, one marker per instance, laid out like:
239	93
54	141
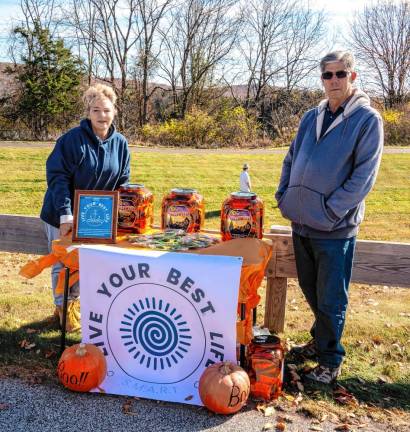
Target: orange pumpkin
82	367
224	387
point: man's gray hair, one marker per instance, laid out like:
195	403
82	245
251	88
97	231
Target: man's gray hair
345	57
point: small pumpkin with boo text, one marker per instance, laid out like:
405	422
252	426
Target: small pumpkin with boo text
82	367
224	387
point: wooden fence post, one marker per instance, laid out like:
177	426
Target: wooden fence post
275	300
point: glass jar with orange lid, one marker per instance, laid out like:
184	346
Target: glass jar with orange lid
135	208
242	216
183	209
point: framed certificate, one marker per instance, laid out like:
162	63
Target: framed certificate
95	216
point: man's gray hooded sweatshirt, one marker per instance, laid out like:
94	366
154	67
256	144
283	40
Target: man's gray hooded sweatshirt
325	179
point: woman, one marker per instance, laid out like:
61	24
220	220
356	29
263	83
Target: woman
91	156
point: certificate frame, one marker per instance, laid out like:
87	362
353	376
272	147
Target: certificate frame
95	216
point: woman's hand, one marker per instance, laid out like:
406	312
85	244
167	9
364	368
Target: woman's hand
65	229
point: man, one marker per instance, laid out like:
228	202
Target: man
330	168
244	179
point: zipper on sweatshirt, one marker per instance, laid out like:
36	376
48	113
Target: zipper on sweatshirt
303	176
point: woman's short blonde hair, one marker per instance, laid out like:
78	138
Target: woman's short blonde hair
98	91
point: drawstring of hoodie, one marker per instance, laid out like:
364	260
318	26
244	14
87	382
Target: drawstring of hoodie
98	159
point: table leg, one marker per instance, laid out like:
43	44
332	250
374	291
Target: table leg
242	347
65	302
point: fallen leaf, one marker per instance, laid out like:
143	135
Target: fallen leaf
342	396
383	379
343	427
127	407
270	410
294	375
284	419
49	354
280	426
298	399
397	346
300	386
315	428
323	418
268	426
261	407
377	340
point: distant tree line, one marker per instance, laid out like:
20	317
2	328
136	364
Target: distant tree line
167	59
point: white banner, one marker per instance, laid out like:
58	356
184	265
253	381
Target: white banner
160	318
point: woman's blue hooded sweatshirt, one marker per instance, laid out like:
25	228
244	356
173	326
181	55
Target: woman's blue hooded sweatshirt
325	179
80	160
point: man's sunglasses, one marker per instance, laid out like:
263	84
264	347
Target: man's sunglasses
339	74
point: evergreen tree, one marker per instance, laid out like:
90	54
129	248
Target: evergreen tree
50	79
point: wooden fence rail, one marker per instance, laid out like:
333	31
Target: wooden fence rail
381	263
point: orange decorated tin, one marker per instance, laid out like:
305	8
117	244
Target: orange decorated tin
183	209
242	216
135	208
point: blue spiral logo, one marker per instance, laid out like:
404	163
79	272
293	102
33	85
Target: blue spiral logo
155	334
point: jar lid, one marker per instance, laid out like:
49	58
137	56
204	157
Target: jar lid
266	339
243	195
183	191
133	186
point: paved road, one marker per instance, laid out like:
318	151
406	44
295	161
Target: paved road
165	150
49	407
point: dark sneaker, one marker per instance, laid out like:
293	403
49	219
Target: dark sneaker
307	350
323	374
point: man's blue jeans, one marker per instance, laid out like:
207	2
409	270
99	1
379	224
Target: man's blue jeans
324	268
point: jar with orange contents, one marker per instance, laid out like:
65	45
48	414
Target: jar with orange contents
183	209
135	208
265	360
242	216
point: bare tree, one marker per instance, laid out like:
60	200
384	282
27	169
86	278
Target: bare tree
280	49
264	23
302	45
148	17
81	18
380	38
200	35
45	13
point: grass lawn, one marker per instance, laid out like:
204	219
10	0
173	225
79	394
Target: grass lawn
377	334
22	185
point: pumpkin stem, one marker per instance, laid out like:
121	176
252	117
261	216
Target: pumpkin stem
226	368
81	350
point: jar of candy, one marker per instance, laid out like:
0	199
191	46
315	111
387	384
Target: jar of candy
135	208
265	360
183	209
242	216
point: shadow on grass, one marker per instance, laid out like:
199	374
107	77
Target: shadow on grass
17	345
212	213
377	393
